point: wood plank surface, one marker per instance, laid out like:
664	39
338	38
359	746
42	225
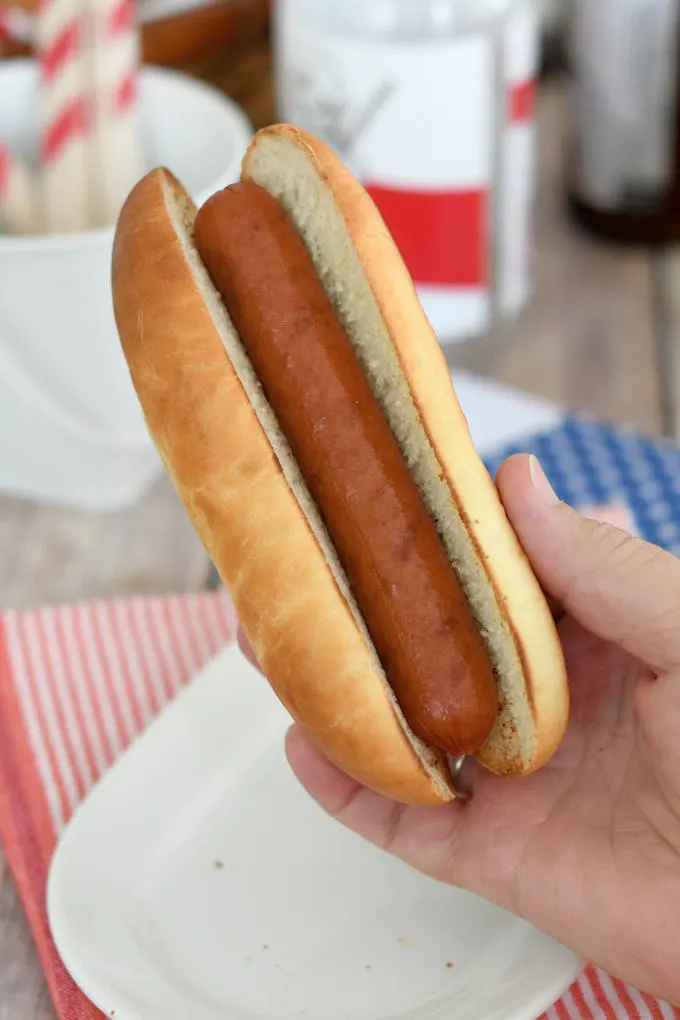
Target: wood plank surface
667	293
53	555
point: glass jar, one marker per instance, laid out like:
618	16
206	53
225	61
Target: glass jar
430	103
625	180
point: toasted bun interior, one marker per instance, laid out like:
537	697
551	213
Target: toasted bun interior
375	300
232	467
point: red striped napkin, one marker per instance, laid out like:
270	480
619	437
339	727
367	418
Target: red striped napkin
77	684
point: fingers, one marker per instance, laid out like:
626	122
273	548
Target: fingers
620	588
244	645
361	810
366	813
426	838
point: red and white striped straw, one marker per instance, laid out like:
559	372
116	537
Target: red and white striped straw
65	113
16	25
19	195
115	58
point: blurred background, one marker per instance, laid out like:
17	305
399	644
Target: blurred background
523	152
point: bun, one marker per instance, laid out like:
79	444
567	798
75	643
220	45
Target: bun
244	494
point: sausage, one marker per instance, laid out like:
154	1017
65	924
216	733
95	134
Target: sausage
407	591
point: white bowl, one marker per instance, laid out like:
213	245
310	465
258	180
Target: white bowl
66	400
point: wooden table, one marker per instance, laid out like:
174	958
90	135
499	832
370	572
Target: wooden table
596	338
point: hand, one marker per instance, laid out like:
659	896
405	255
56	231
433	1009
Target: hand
587	848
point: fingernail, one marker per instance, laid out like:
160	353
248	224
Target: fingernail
542	486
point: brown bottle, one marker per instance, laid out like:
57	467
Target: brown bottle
625	175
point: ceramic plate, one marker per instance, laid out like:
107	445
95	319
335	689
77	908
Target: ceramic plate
199	882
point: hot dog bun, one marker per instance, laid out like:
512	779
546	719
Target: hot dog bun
244	493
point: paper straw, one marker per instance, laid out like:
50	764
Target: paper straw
114	58
65	114
6	32
16	25
19	199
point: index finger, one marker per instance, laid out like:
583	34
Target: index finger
245	647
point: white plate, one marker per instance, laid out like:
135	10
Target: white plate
199	882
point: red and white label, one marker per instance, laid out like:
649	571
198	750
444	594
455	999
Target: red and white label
423	125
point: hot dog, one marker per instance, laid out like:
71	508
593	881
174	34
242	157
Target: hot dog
412	601
303	409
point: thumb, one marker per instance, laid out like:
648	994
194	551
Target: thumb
618	587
